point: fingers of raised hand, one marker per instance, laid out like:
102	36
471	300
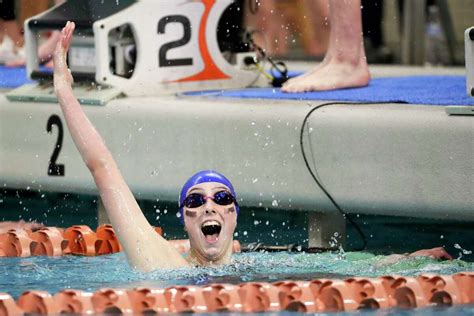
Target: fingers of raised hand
63	46
66	34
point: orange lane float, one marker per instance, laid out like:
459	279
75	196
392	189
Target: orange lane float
8	306
48	241
74	302
222	297
185	299
302	296
81	240
15	243
38	303
107	242
78	240
112	302
297	296
148	301
465	281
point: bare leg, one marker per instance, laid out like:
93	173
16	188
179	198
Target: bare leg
271	32
316	32
2	33
345	64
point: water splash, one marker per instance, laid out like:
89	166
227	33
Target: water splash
463	251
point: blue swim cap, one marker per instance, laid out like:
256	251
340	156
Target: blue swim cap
201	177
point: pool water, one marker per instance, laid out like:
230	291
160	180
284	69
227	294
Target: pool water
384	235
91	273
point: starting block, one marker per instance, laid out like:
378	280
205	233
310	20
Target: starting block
469	45
144	48
469	52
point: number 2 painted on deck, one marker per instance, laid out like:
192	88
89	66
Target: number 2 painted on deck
53	168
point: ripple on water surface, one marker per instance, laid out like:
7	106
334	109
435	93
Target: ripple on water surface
90	273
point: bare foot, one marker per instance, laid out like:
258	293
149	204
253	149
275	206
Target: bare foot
302	77
330	75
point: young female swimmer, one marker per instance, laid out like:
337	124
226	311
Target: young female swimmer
207	201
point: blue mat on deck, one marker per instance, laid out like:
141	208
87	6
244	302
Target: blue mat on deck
428	90
13	77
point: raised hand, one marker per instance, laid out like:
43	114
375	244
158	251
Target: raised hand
62	74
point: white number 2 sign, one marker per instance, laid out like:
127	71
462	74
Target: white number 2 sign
176	48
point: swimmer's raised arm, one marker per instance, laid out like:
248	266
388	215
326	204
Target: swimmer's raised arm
145	249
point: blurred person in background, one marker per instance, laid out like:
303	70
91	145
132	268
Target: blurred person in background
45	50
11	39
277	24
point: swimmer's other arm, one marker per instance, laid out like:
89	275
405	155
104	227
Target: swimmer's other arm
438	253
145	249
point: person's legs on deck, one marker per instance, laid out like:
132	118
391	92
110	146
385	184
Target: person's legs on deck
345	64
316	35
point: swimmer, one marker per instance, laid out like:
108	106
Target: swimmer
345	63
11	39
207	202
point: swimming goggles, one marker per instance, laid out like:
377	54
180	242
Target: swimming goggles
196	199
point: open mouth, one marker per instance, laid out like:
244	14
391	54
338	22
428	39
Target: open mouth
211	231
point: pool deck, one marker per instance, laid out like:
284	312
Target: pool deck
389	159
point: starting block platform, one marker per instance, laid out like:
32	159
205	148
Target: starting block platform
389	159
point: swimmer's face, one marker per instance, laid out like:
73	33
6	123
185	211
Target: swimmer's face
210	226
